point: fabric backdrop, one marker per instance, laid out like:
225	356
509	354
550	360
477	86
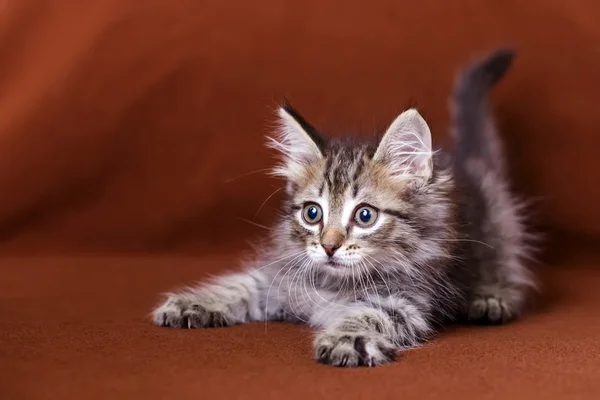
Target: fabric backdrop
122	122
132	162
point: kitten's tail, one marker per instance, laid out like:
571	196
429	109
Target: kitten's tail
472	123
496	216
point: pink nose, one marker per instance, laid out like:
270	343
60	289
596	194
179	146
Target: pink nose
330	249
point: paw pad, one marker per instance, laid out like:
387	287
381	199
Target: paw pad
187	314
489	310
353	350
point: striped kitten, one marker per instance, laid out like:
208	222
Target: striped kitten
380	243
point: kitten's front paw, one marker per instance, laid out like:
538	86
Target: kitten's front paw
346	349
181	311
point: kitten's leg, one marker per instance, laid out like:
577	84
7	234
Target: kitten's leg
368	334
498	295
228	300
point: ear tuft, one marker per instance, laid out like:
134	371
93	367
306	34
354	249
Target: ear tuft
298	142
406	147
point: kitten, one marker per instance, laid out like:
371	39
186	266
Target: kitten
380	243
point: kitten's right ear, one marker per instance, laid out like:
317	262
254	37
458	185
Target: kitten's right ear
298	142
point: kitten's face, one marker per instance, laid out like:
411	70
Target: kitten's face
356	207
343	212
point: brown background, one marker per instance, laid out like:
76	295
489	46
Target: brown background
124	123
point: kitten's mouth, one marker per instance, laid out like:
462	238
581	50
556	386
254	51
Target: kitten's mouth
334	264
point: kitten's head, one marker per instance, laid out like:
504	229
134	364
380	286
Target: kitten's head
360	207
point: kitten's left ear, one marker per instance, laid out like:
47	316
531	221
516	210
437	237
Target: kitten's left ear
299	143
406	147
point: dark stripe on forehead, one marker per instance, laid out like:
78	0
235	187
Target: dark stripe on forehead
322	188
357	171
328	164
339	174
344	166
349	167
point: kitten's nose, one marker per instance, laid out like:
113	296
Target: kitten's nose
332	240
330	248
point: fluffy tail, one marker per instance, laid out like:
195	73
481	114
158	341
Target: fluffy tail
495	216
473	128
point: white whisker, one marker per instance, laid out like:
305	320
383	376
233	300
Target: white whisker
380	275
267	199
295	287
297	256
254	223
461	240
246	174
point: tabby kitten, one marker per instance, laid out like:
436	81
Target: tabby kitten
379	243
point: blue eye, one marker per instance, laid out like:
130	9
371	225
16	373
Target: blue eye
312	214
365	216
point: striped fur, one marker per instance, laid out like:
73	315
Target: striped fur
448	240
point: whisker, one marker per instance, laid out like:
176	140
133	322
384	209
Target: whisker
362	283
246	174
265	202
353	281
295	286
254	223
380	275
305	275
275	262
316	291
305	278
298	256
461	240
309	276
370	280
